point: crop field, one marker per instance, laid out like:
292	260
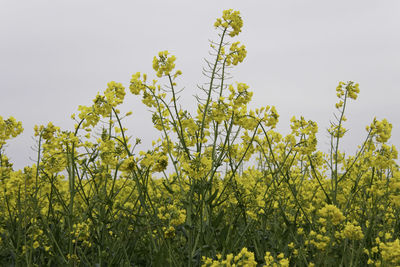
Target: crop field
221	187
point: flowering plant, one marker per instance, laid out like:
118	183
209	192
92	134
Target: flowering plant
221	187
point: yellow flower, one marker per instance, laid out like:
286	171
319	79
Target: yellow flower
381	129
9	128
391	252
352	232
230	19
163	65
36	244
332	214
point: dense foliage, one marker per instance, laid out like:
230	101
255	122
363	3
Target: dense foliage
220	187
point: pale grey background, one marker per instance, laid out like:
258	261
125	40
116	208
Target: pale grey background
56	55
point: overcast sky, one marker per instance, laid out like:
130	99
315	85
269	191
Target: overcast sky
56	55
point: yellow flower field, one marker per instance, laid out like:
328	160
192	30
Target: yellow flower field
221	187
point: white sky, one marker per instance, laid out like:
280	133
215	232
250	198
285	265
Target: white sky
56	55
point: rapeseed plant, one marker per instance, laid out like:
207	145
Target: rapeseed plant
220	187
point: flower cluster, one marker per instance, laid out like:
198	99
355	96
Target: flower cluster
347	89
307	132
230	20
164	64
381	129
9	128
243	258
236	55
